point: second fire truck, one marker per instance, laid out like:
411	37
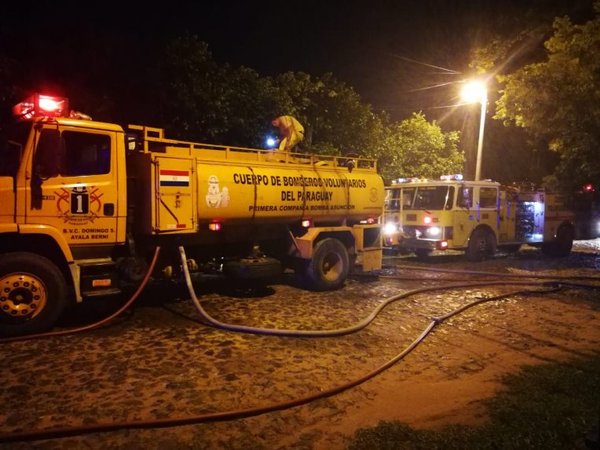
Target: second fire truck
476	217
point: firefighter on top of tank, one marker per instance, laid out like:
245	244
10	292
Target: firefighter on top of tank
291	132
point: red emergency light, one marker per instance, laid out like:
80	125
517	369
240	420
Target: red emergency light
39	105
589	187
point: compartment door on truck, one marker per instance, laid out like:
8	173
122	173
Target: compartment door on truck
174	204
487	203
73	184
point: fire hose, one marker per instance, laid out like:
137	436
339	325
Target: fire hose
60	432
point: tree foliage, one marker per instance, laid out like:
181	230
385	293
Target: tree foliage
335	118
558	100
418	148
178	86
198	99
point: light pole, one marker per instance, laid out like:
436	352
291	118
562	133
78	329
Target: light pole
472	92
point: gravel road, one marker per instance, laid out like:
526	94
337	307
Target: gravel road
160	361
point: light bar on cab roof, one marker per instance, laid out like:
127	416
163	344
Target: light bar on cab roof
39	105
455	177
406	180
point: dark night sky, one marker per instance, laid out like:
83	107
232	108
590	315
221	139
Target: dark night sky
364	43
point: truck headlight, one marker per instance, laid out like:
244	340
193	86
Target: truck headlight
390	228
434	231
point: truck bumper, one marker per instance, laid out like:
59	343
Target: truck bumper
421	244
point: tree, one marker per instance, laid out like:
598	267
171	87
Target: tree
186	92
558	100
336	120
197	99
418	148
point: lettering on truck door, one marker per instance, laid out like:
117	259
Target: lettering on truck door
73	184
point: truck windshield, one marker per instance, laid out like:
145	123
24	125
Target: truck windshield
394	198
433	197
12	142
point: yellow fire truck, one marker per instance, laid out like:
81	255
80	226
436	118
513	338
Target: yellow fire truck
83	205
477	217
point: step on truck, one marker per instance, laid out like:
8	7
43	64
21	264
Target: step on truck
478	217
84	204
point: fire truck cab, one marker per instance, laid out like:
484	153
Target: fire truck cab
476	217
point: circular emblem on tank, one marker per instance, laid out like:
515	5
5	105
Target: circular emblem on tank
373	195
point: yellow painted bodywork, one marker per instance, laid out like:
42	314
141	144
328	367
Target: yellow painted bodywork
180	188
500	214
187	186
63	197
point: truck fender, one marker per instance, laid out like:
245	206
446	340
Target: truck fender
61	243
51	232
9	228
305	243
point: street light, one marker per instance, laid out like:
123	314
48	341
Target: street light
473	92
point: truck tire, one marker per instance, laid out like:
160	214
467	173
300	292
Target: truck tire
563	243
329	266
33	294
482	245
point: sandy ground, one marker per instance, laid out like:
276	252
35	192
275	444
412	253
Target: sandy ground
159	361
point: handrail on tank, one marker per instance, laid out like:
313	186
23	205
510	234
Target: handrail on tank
156	135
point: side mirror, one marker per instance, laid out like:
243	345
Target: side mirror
48	158
36	189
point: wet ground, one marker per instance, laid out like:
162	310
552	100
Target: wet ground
161	361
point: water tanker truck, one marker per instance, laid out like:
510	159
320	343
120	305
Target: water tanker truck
84	205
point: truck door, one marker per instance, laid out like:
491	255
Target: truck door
464	220
175	204
487	203
72	185
508	211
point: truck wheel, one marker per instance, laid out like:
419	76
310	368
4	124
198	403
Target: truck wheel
33	294
482	245
562	245
329	266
